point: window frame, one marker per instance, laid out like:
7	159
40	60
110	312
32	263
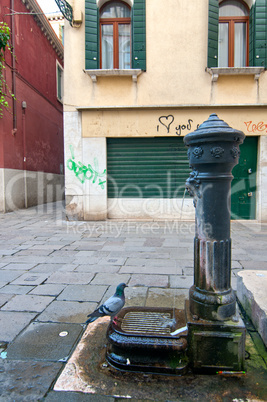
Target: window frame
257	35
231	21
115	22
138	39
60	81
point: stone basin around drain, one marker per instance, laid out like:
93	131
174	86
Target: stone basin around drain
140	340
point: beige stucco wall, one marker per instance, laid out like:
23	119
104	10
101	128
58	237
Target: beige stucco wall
171	98
160	122
175	70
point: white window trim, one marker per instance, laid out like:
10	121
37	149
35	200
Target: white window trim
100	3
62	83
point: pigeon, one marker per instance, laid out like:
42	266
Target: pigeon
111	307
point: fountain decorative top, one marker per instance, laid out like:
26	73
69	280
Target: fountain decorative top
214	129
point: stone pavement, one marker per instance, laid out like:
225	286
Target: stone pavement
54	272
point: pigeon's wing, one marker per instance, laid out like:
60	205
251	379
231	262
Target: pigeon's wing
113	305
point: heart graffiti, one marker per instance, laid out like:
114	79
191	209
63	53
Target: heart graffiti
166	121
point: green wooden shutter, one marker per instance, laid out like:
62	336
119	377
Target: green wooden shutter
251	35
258	53
91	35
139	34
147	167
213	33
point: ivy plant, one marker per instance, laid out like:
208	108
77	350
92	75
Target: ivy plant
4	43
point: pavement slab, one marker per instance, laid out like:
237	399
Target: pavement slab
26	381
12	323
158	297
30	278
83	293
254	265
110	279
97	268
134	296
181	282
152	270
9	275
45	341
16	289
50	268
77	278
4	298
18	266
49	289
67	312
149	280
32	303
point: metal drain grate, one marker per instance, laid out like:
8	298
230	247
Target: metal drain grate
147	322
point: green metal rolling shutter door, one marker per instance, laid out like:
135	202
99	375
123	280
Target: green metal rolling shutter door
146	167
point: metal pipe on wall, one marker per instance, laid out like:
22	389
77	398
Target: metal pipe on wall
14	103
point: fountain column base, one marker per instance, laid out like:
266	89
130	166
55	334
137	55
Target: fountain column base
215	345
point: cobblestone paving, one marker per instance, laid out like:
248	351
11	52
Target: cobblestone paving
54	272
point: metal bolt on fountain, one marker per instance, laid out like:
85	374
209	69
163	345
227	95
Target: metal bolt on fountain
208	335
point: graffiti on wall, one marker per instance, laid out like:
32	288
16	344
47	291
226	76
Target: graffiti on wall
86	172
256	127
167	122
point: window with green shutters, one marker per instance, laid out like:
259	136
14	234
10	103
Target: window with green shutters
138	33
257	34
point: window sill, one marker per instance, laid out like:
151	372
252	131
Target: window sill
134	73
215	72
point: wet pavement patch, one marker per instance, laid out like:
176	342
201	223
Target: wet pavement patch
55	396
45	341
88	372
26	381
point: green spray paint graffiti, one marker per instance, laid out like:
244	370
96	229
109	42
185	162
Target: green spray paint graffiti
83	172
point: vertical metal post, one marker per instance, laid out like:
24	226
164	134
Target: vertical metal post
213	152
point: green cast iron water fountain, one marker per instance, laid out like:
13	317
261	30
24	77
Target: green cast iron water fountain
208	335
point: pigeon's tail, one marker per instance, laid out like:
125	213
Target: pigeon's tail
91	319
95	315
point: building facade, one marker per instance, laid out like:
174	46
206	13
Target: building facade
140	75
31	129
57	22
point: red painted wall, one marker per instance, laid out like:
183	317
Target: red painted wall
39	136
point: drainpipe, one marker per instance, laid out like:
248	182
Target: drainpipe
24	106
14	104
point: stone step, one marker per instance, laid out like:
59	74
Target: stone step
252	294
